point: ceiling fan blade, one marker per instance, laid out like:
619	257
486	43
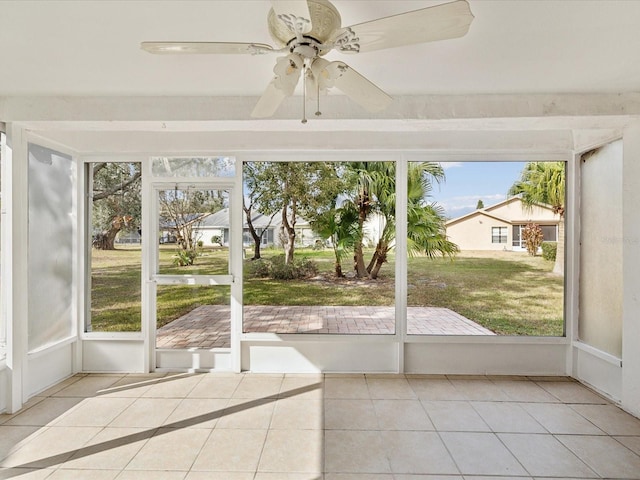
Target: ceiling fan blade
269	102
355	86
440	22
294	14
206	48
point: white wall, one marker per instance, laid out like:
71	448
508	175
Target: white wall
607	353
631	270
4	387
600	322
474	233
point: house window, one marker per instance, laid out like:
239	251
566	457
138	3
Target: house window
498	234
549	234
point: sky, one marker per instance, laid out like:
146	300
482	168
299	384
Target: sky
468	182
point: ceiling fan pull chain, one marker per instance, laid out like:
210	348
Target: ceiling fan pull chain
318	112
304	93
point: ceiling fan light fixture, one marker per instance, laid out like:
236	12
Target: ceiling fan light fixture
306	30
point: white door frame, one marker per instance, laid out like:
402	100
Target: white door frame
191	359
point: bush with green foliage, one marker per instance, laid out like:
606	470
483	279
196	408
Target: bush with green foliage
259	268
185	258
277	269
549	250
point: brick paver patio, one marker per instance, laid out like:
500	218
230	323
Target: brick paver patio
207	326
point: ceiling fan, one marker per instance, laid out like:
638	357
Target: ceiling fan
306	30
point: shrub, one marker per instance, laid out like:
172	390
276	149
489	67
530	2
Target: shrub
549	250
276	269
532	236
260	268
185	258
216	239
200	243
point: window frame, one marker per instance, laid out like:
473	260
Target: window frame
500	236
85	251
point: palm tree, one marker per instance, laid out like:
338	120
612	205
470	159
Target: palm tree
544	183
338	225
376	192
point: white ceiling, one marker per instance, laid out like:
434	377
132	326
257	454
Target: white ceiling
530	76
91	48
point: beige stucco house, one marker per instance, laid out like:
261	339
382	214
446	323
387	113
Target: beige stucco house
499	227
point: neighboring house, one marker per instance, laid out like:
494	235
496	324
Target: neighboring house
216	226
499	227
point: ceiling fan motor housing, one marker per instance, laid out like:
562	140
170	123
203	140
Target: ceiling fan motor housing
325	19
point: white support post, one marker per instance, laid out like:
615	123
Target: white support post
14	262
631	270
572	255
149	267
402	168
80	261
236	265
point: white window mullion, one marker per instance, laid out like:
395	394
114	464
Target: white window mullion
401	258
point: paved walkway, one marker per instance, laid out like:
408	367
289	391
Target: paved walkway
207	326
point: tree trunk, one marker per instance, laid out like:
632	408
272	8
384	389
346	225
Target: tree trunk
381	257
256	250
358	253
257	239
558	268
376	269
106	239
289	237
374	257
337	265
338	269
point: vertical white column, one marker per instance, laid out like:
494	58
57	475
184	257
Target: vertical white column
149	267
81	261
572	255
235	263
402	168
631	269
14	262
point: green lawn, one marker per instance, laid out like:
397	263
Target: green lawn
509	293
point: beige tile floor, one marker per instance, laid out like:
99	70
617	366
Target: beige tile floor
318	427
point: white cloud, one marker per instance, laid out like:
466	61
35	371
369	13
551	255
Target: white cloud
461	205
447	165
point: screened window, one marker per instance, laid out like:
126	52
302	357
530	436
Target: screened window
463	277
193	166
114	205
549	234
329	263
498	234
